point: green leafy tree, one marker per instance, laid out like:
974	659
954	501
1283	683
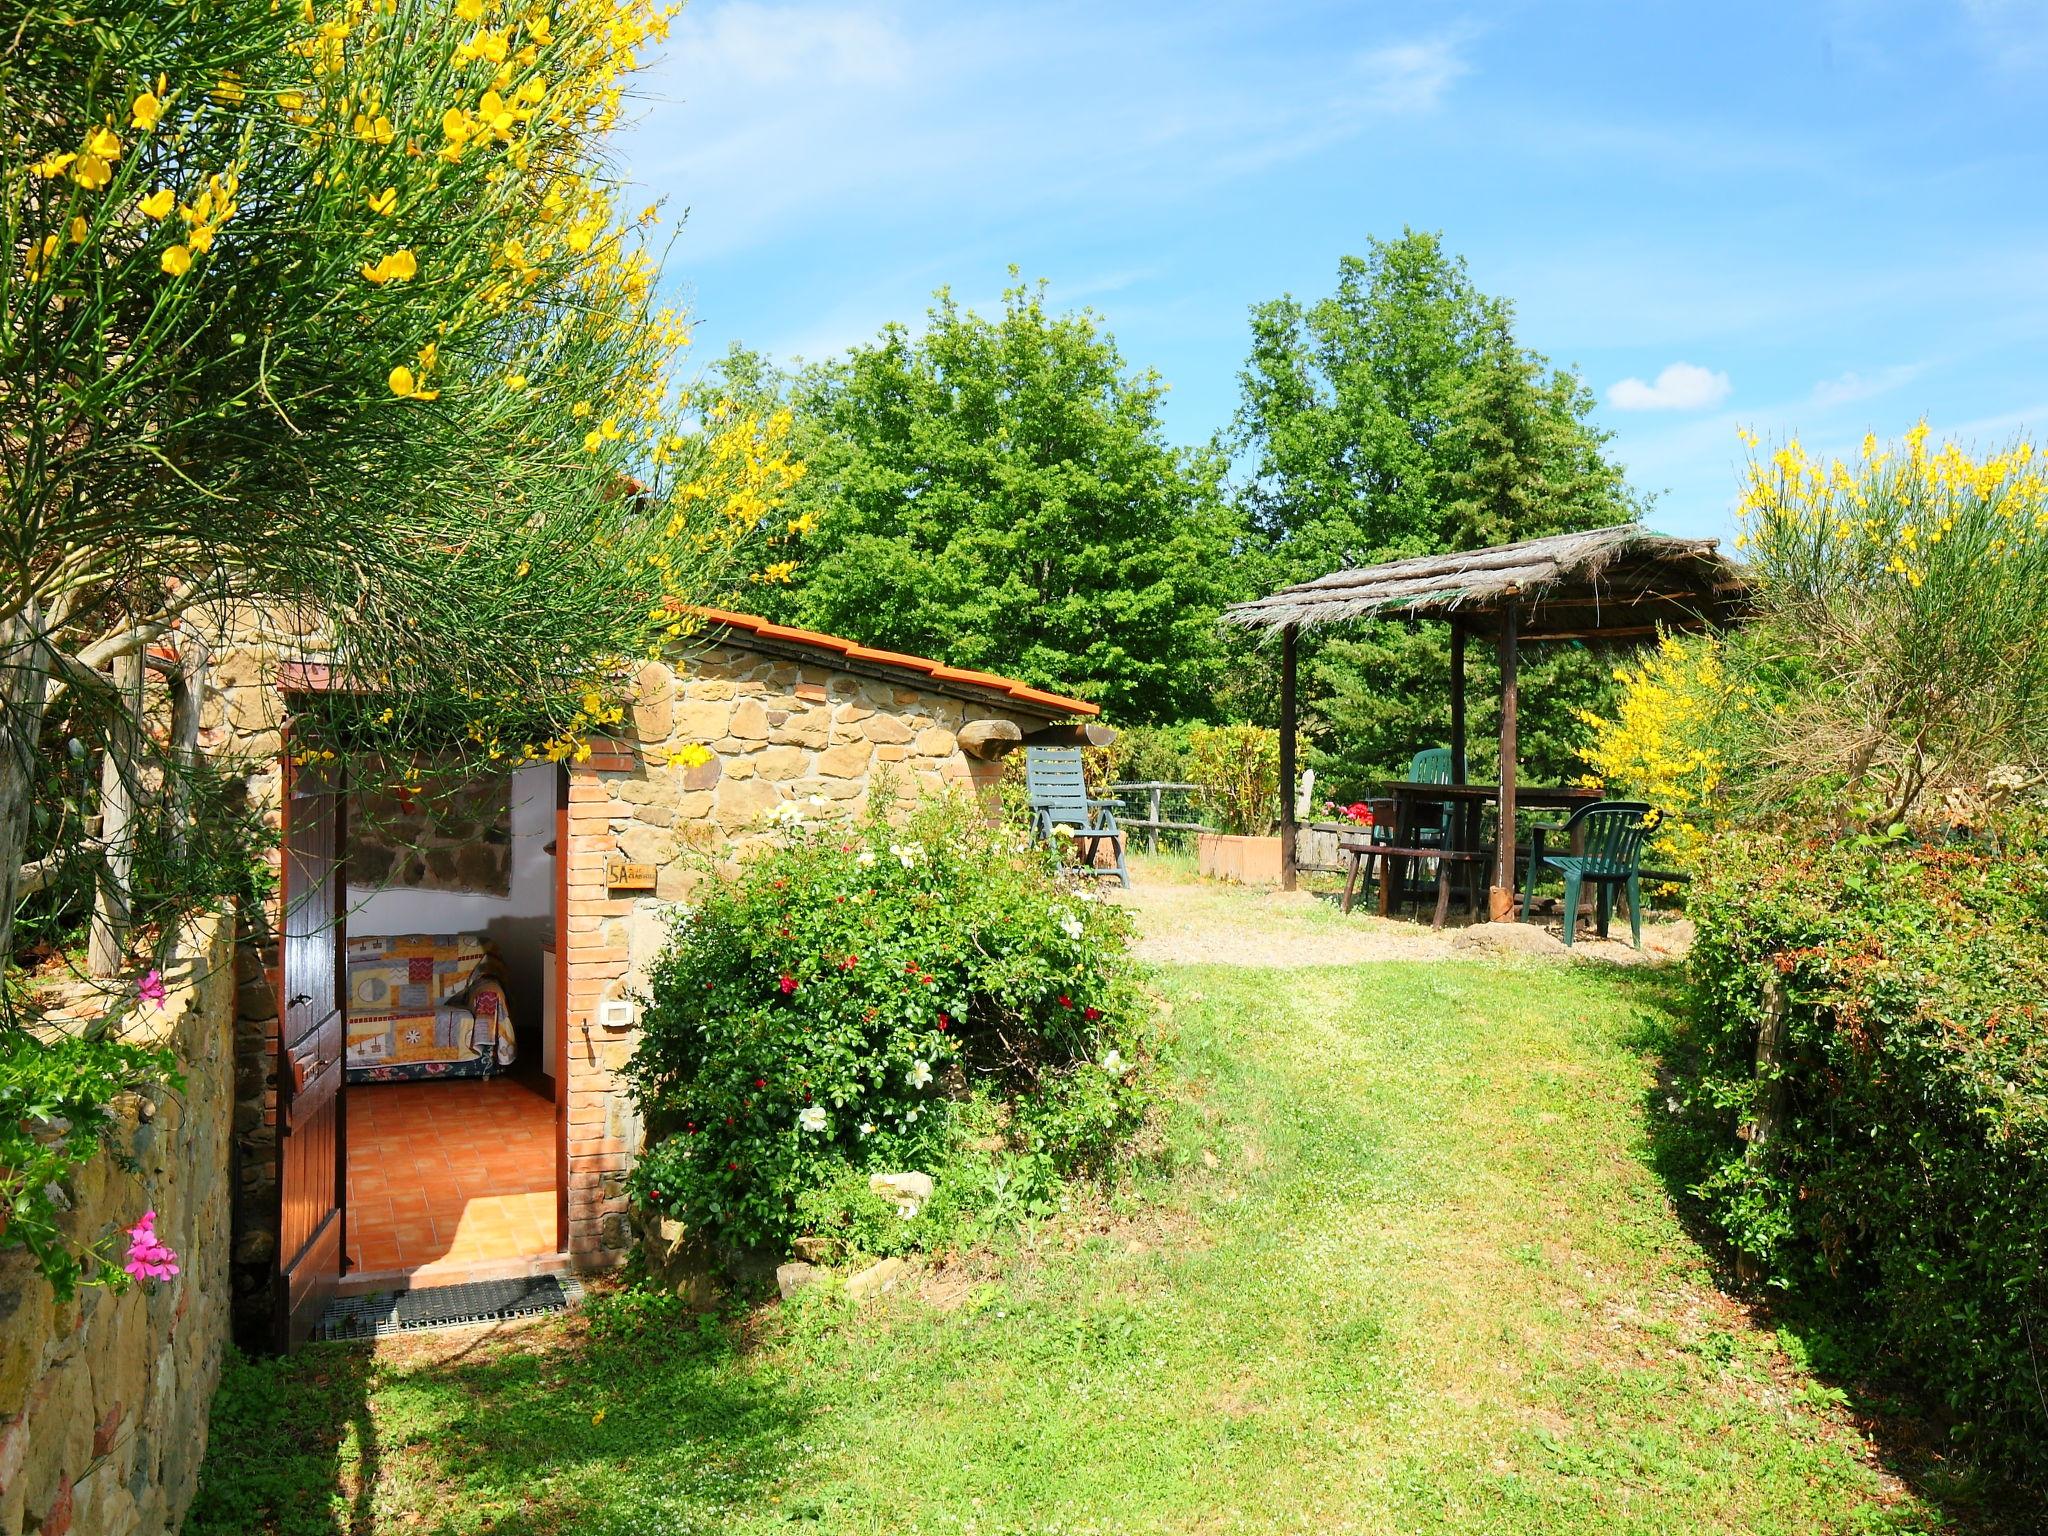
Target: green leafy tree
1401	416
999	493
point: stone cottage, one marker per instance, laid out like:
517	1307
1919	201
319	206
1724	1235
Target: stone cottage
505	1148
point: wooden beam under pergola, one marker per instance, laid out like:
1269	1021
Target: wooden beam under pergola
1619	583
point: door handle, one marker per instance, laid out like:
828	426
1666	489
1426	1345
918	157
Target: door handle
303	997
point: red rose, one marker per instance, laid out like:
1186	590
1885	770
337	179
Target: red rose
788	984
760	1082
944	1021
1066	1001
734	1167
1091	1014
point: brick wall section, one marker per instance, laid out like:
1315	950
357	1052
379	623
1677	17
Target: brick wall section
601	1137
104	1398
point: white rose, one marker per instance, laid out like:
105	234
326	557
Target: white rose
1070	925
919	1074
813	1119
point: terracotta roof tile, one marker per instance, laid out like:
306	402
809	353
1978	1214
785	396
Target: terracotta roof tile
831	646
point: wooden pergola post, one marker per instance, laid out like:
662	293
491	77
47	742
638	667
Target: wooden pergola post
1287	713
1501	900
1457	700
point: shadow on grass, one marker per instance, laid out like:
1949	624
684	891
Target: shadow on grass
516	1435
1908	1432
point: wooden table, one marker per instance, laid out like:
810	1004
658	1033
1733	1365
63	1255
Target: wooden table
1466	802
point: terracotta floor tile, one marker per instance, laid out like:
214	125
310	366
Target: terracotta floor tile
443	1175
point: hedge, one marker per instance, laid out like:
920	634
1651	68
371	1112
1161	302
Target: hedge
1906	1182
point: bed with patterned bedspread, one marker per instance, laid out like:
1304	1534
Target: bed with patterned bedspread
425	1005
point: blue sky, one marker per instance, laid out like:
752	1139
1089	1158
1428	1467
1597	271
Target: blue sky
1815	218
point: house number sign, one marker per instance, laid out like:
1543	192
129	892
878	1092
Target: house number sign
621	876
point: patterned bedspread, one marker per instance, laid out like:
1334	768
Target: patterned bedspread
425	1005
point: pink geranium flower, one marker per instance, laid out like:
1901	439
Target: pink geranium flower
149	1258
151	989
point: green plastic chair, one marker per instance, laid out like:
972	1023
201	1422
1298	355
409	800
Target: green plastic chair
1432	765
1612	858
1059	798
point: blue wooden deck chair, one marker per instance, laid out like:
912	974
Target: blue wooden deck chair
1611	859
1059	798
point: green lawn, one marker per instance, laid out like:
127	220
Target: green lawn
1410	1270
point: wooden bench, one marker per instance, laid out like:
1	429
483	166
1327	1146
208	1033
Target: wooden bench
1475	860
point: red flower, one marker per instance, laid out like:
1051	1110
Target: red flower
1066	1001
849	962
788	983
734	1167
1091	1014
760	1082
944	1021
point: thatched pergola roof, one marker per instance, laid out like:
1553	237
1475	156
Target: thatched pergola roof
1605	583
1619	583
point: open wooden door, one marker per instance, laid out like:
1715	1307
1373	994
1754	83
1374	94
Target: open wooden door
311	1150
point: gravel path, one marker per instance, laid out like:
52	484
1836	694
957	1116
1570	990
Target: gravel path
1182	920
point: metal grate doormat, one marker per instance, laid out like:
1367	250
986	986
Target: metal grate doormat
446	1306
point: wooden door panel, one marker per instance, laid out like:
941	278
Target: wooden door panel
311	1040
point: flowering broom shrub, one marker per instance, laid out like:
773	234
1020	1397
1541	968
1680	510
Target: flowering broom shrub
1906	593
1904	1179
875	998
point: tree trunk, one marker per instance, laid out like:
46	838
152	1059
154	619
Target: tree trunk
107	945
24	691
188	698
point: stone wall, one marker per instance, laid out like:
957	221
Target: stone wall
241	724
104	1398
779	731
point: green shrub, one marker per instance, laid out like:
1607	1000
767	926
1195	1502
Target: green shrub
1907	1184
1238	768
54	1119
870	998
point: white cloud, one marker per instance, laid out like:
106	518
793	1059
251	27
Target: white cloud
1680	387
1412	77
1847	388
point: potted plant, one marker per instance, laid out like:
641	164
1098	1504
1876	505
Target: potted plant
1238	769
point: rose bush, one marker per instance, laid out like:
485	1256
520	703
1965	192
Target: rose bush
870	997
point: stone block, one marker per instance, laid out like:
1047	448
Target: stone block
794	1276
886	728
743	802
704	775
704	720
781	763
936	741
642	844
749	721
804	728
877	1279
847	761
654	703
